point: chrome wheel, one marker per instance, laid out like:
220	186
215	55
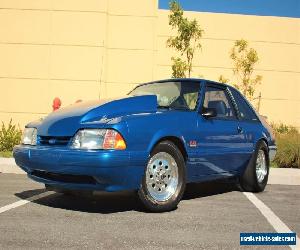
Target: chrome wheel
261	166
162	176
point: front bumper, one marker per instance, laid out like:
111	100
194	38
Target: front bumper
111	170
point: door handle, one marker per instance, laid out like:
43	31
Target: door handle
240	129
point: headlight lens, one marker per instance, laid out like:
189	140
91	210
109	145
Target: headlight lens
98	139
29	136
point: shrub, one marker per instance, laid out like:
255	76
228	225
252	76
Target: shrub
288	146
10	136
283	129
6	154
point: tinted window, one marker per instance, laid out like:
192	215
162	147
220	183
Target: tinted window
175	95
218	99
245	111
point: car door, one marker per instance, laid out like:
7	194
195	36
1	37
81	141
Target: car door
220	139
248	121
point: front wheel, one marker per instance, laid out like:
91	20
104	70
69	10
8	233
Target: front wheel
164	179
256	175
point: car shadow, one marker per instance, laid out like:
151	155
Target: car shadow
204	189
106	203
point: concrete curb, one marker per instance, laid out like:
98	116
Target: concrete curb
281	176
284	176
8	165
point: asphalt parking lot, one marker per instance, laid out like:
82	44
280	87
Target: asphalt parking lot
211	216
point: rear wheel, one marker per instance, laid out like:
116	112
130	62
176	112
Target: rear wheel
164	180
255	177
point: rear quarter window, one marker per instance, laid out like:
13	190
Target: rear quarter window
244	109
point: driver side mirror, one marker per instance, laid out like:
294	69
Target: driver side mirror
209	112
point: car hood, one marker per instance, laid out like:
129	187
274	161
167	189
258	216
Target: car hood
66	121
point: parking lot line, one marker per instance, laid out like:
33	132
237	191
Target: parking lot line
272	218
23	202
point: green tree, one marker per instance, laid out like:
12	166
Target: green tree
244	59
179	67
223	79
186	42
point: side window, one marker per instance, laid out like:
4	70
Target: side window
246	112
218	99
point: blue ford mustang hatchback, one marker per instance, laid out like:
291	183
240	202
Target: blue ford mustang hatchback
161	136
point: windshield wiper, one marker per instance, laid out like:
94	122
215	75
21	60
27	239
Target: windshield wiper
172	108
180	108
163	107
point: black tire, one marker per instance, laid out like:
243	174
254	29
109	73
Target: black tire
171	203
248	182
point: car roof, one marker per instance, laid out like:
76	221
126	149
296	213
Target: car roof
187	80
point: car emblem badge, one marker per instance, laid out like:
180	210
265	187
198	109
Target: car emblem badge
52	141
193	144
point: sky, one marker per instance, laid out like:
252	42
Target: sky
281	8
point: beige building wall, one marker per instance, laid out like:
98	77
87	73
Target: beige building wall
77	49
71	49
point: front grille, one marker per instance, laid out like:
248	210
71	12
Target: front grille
54	140
67	178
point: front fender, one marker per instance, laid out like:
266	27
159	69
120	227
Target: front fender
165	133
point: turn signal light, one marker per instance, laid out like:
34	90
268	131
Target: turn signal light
113	140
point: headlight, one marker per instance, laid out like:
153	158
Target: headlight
29	136
98	139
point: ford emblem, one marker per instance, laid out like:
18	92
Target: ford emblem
52	141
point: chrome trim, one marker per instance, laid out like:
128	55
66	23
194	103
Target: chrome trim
261	166
272	152
162	176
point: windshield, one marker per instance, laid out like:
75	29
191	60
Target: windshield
171	95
